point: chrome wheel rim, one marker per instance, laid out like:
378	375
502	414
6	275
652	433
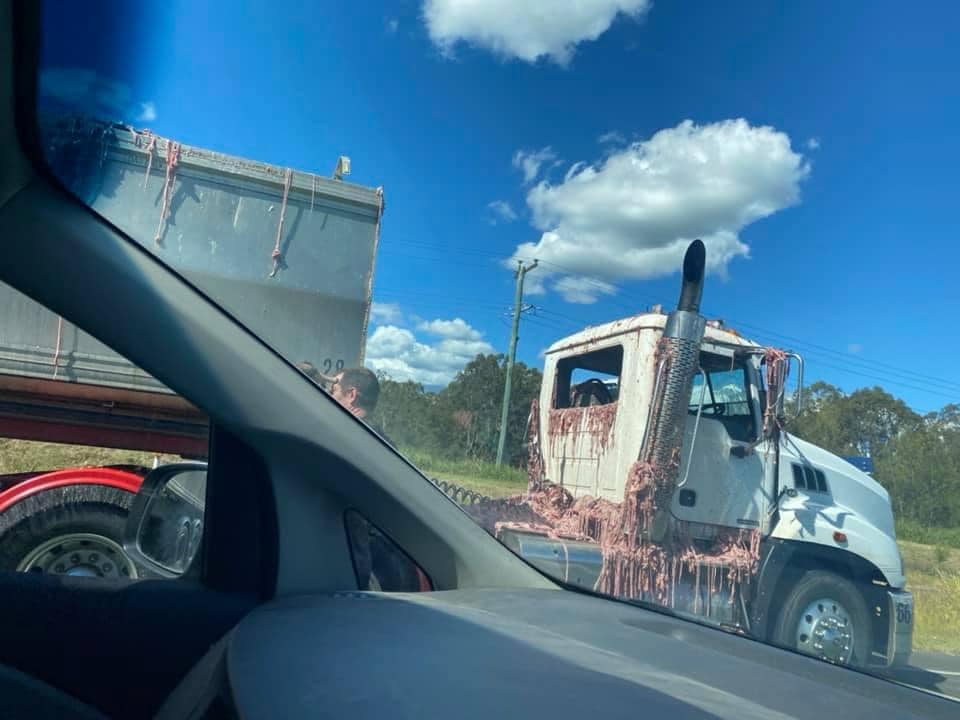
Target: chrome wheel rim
825	630
79	555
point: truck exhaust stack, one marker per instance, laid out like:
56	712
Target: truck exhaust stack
679	354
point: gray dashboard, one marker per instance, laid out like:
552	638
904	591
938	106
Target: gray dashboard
529	653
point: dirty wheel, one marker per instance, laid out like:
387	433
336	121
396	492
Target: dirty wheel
825	616
74	531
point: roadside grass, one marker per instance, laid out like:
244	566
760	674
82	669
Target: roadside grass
482	477
929	559
936	613
933	576
18	456
920	533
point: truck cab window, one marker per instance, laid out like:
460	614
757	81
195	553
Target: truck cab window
725	390
589	379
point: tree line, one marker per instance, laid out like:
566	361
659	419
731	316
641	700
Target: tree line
916	457
461	421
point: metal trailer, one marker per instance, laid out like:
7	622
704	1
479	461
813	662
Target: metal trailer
289	252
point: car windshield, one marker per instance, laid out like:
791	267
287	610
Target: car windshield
623	278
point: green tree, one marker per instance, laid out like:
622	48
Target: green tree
916	459
921	471
468	409
405	413
877	418
856	424
947	417
824	420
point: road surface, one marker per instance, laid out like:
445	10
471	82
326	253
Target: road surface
932	671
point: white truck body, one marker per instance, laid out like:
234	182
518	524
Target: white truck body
797	496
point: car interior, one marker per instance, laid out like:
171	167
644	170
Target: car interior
272	620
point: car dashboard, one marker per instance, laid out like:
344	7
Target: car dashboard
527	653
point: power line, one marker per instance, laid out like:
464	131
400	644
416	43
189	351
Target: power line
884	380
870	369
863	366
476	302
847	357
890	377
548	318
539	322
601	285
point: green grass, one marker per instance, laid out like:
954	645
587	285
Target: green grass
917	532
929	559
28	456
482	477
933	576
936	614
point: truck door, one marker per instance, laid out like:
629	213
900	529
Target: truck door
722	484
581	422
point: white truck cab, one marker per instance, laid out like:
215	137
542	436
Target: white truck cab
828	578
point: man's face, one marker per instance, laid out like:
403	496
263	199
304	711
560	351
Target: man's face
346	396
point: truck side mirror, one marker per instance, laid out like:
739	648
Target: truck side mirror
165	524
798	405
790	357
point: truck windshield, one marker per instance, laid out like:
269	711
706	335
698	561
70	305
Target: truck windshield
471	222
724	389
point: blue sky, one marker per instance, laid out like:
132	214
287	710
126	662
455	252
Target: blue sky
819	157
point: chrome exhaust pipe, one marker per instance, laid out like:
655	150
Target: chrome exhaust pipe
678	354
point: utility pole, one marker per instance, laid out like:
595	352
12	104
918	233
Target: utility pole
522	270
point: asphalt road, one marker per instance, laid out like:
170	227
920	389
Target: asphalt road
932	671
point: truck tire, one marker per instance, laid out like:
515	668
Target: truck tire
74	530
824	615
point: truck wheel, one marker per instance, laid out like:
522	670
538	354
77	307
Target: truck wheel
824	615
75	530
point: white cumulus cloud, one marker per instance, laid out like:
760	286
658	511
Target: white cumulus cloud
582	290
456	329
529	162
402	356
385	312
632	213
525	29
813	143
614	137
502	211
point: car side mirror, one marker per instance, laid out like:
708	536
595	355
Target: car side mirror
165	524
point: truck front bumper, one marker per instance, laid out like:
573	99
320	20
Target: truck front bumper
900	637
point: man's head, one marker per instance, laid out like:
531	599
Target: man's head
357	389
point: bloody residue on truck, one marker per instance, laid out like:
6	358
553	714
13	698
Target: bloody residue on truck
595	421
634	566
